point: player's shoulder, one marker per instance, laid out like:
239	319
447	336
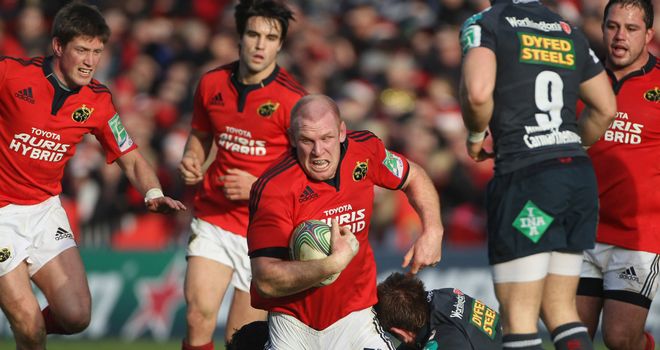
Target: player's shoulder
220	72
19	65
363	140
288	83
96	87
277	178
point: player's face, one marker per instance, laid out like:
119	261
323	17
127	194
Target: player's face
625	36
318	144
259	46
76	61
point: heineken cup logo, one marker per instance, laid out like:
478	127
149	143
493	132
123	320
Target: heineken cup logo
532	221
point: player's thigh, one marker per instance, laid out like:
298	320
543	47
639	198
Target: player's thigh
285	332
366	331
64	283
621	319
558	302
206	283
520	300
242	313
17	301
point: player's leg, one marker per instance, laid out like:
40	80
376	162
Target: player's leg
286	332
590	288
630	282
357	330
518	288
21	308
64	284
242	313
55	266
203	297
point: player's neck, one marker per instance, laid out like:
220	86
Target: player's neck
252	78
57	74
621	72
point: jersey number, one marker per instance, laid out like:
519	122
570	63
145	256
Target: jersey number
549	97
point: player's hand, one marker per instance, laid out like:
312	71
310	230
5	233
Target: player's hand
164	205
237	184
344	245
477	152
426	251
191	169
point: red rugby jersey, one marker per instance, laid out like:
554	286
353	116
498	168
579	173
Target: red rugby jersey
626	163
40	125
284	196
248	124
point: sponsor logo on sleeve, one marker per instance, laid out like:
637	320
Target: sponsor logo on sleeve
81	114
393	163
122	138
546	50
470	37
360	171
267	109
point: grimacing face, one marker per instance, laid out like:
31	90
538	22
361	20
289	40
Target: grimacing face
317	139
76	61
259	45
626	38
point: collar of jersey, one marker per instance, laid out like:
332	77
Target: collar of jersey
52	77
648	67
240	86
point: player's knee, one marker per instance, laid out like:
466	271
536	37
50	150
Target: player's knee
619	338
196	315
76	321
29	331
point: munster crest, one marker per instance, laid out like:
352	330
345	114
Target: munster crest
82	114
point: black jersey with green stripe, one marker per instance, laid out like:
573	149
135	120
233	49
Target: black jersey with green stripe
541	62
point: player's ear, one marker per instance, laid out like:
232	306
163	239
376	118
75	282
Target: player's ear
57	47
403	335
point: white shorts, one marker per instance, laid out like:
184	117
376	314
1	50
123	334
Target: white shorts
357	330
212	242
36	232
622	269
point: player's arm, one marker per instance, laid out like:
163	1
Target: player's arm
194	155
422	195
476	97
275	277
600	108
142	176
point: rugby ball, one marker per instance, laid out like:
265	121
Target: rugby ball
310	240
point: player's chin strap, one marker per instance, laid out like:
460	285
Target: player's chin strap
153	194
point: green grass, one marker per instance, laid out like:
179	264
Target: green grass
109	344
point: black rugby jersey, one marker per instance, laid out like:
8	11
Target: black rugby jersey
541	62
459	322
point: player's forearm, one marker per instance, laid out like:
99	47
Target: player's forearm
198	145
600	108
138	171
278	278
476	114
424	198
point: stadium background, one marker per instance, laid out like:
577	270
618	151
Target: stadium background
392	65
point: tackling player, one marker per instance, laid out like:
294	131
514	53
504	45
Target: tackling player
620	275
330	176
444	319
523	70
243	108
46	106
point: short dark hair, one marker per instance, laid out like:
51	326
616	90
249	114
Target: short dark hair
79	19
645	5
402	303
252	336
263	8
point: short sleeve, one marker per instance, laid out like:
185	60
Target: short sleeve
200	119
271	223
591	65
478	31
390	168
114	137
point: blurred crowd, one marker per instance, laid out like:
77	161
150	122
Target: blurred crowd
392	65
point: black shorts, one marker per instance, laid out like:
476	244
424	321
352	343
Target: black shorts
548	206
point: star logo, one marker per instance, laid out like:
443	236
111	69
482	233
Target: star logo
158	300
